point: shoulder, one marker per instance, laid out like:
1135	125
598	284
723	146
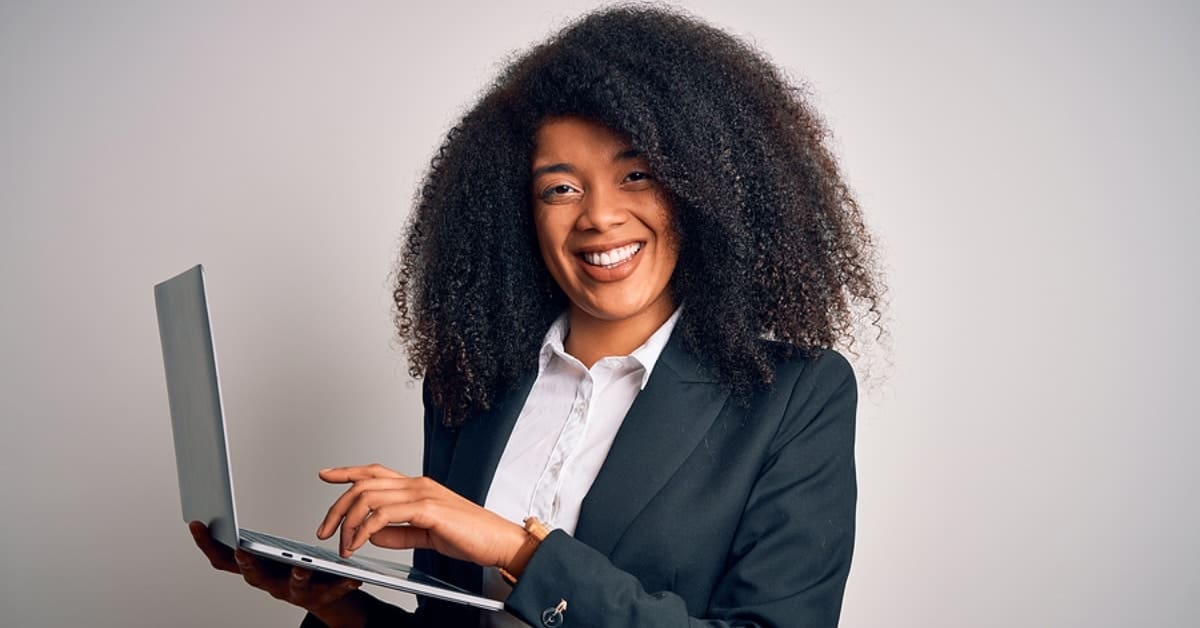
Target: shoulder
818	369
815	392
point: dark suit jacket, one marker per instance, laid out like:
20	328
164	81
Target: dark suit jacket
737	513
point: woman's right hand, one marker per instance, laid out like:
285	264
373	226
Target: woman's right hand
322	595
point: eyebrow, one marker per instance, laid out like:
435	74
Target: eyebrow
624	155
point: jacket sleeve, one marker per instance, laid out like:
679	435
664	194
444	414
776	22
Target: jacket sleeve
789	558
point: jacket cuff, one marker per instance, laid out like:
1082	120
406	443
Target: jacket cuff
566	570
544	582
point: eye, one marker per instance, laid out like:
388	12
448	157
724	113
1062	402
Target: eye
639	175
556	191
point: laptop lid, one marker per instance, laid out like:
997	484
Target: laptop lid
197	415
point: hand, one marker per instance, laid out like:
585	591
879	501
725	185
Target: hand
395	511
294	585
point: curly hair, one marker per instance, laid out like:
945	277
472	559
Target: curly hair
772	244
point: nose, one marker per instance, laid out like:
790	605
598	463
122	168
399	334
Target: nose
602	209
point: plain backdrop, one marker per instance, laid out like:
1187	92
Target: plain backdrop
1029	168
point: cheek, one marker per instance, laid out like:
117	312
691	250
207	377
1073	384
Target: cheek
552	229
553	262
550	245
660	220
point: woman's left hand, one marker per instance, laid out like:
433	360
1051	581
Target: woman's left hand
400	512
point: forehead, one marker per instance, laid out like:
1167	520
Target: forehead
572	138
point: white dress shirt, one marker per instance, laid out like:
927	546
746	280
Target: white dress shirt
562	437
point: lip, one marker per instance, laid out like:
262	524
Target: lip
607	246
616	273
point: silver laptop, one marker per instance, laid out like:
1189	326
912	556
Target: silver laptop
202	452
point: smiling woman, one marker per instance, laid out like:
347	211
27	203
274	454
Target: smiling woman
623	283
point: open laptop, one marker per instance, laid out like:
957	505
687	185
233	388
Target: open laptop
202	452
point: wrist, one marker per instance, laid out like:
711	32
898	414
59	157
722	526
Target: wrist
532	537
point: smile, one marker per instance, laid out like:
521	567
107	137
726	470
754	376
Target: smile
613	257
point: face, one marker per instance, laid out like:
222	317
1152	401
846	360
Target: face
603	223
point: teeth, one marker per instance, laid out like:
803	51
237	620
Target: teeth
614	257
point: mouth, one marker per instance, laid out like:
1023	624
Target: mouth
614	257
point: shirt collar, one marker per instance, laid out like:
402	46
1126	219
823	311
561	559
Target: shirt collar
646	354
552	342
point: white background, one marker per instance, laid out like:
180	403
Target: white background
1030	170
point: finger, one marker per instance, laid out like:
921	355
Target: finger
412	513
298	584
337	512
248	568
402	537
218	555
366	507
408	503
341	475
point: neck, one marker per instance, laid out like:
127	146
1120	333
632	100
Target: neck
591	338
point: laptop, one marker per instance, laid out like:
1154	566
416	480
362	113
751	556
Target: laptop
202	453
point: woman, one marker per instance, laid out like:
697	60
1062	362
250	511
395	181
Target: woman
625	273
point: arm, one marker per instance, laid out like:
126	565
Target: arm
789	558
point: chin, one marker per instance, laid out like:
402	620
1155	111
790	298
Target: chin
618	309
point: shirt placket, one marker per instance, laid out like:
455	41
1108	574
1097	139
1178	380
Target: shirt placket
545	501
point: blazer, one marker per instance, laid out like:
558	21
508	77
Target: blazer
708	510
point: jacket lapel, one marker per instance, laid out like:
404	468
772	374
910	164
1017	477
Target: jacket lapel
666	422
481	442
